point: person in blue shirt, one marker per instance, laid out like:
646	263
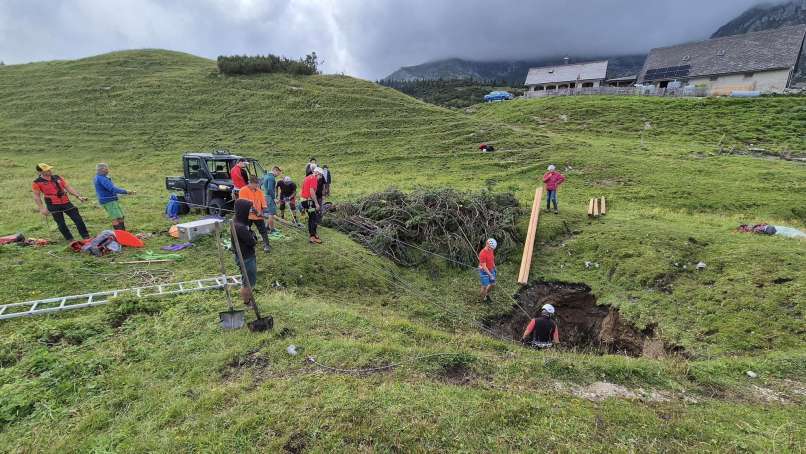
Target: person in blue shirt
107	194
269	185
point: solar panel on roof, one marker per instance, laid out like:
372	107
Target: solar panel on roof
670	72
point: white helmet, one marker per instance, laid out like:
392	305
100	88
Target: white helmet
492	243
552	168
548	308
319	171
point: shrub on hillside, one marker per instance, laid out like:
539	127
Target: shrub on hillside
260	64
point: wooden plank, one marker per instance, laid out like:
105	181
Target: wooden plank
596	211
604	206
531	233
590	208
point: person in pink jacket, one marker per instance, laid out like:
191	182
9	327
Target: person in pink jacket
553	180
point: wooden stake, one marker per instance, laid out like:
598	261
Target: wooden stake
590	208
603	207
531	233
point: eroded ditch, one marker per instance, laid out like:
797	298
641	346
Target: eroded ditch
582	323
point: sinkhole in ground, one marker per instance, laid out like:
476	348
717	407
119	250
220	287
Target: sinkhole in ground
583	324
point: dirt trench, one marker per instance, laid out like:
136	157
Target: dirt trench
582	323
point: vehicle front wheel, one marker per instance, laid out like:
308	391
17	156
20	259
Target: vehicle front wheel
217	207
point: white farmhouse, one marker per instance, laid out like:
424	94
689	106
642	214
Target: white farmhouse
566	77
760	61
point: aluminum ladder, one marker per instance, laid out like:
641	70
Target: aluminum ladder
66	303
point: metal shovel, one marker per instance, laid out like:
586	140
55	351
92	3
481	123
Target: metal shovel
260	323
230	319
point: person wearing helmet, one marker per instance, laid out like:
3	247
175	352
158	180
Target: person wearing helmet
542	331
553	180
487	272
54	189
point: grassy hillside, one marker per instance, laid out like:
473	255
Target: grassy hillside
161	376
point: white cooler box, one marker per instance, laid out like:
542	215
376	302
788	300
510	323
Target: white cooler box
189	231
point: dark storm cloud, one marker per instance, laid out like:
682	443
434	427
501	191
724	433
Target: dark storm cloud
363	38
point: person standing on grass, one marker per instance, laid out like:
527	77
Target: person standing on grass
310	203
487	271
239	175
553	180
269	186
252	193
542	331
107	194
54	190
246	242
288	195
328	178
310	166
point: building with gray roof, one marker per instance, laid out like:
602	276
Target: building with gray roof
761	61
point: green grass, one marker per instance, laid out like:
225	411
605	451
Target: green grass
160	376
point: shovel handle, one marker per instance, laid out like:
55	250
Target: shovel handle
221	263
243	268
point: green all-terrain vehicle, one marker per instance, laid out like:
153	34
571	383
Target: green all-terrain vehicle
206	183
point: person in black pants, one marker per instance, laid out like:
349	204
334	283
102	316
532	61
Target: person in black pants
54	190
310	203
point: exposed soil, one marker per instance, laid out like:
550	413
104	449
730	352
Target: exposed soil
581	322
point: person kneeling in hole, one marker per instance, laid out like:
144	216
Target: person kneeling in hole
542	331
487	273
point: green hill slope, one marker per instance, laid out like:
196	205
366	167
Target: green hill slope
160	376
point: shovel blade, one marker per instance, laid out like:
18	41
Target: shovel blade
231	319
261	324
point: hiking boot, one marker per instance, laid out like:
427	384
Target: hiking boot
266	247
488	300
315	240
556	211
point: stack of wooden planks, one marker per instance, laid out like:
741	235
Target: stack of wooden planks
597	207
531	233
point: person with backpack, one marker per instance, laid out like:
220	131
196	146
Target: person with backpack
553	180
269	186
310	203
288	196
54	190
542	331
252	193
107	194
487	272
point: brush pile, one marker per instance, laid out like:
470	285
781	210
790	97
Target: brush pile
407	227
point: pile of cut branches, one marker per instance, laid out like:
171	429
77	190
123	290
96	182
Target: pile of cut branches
407	227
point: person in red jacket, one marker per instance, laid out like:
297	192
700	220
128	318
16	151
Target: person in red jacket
553	180
239	174
487	273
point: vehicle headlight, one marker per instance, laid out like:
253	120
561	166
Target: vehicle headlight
223	187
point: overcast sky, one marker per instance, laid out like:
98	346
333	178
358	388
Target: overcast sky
369	38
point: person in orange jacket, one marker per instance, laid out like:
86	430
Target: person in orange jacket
252	193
